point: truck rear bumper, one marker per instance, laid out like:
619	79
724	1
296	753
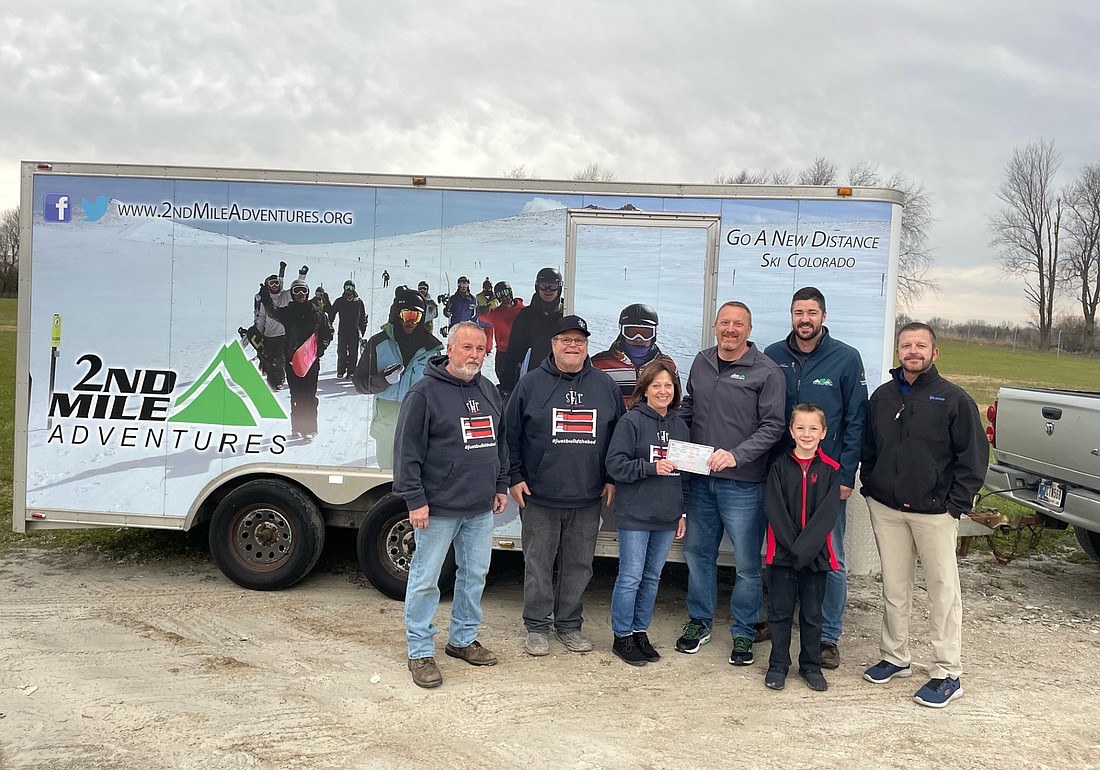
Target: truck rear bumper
1081	507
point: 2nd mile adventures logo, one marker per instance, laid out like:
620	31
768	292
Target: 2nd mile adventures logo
229	394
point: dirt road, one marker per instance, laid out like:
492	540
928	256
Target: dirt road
167	664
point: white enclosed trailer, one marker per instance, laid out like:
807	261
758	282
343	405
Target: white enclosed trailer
137	403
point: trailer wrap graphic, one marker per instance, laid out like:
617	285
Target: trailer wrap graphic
144	403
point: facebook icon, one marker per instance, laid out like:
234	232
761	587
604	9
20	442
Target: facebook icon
56	208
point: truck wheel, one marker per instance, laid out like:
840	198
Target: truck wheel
385	547
266	535
1089	542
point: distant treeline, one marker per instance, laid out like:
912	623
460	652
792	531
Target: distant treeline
1068	334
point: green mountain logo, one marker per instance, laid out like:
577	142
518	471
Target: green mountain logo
211	400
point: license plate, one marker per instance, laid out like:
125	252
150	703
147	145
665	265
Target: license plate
1050	492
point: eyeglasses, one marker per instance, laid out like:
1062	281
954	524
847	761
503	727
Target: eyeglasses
300	291
639	334
571	342
409	315
548	286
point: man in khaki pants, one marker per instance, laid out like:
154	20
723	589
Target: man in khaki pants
924	460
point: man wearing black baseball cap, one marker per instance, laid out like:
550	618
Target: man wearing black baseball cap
559	422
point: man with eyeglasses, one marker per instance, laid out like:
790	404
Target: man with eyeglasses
394	359
734	403
559	422
635	347
536	323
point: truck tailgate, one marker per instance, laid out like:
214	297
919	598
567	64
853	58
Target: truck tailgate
1058	432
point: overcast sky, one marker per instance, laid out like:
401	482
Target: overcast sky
655	91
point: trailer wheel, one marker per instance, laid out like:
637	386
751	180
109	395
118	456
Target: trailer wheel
1089	542
266	535
385	547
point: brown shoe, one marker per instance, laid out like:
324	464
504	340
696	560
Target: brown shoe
425	673
473	653
830	655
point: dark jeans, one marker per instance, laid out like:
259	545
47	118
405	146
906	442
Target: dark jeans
558	547
785	585
507	368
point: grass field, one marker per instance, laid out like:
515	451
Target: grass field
977	368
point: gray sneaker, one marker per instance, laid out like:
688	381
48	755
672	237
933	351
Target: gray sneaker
575	641
537	644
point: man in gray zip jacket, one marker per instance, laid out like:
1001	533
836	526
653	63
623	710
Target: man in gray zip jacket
734	403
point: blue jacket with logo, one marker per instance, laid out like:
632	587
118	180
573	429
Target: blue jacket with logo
832	377
559	426
449	449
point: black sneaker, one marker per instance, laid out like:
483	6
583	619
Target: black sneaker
742	652
695	635
625	648
830	655
815	680
641	641
775	679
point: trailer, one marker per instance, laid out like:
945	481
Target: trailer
140	401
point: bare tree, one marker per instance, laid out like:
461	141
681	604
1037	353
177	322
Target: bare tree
1082	259
9	251
864	174
518	172
1027	230
593	172
822	172
915	259
745	176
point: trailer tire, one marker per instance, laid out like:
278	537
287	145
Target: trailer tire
266	535
385	547
1089	542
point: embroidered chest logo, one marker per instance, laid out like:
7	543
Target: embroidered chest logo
813	478
573	422
473	406
573	398
823	381
736	376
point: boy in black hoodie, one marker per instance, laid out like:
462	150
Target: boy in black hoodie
801	503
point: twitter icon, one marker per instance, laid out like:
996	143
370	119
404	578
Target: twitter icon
94	210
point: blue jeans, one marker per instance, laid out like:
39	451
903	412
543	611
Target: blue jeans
836	585
642	555
735	507
473	540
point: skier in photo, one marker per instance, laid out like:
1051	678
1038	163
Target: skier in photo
431	306
394	359
486	301
352	313
502	317
461	306
270	329
537	323
635	347
307	335
385	279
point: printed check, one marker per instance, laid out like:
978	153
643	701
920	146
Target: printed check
690	457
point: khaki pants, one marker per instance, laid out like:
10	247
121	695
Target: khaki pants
903	537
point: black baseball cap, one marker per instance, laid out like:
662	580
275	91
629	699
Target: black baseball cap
571	322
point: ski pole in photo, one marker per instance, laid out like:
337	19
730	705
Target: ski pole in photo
55	345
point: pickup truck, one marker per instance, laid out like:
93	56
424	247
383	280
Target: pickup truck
1046	456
